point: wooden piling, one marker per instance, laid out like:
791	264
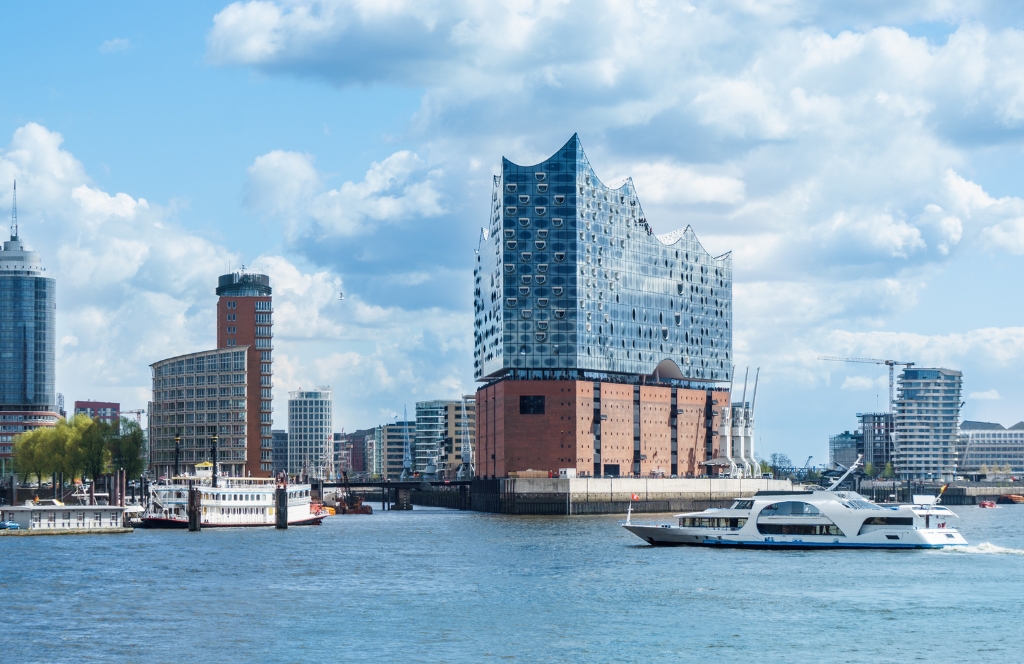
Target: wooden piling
194	509
281	508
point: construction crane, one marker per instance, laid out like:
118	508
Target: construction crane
138	412
867	360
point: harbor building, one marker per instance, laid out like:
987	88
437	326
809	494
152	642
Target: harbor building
989	447
279	438
927	420
310	433
199	404
602	346
442	428
28	315
460	428
245	313
108	412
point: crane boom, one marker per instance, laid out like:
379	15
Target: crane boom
870	360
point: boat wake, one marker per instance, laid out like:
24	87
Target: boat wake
986	547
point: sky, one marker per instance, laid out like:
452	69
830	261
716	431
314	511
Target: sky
863	162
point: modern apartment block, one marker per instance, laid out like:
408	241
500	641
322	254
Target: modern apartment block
245	312
310	433
279	439
107	412
602	345
442	428
988	447
927	423
460	425
198	398
28	316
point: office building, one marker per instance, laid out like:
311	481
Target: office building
245	318
393	439
107	412
279	438
988	447
28	314
199	402
927	423
602	346
844	448
310	433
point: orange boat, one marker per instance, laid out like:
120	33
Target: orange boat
1011	499
987	503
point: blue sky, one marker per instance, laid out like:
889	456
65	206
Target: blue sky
863	164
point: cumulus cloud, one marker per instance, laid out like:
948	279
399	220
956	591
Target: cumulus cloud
287	186
113	45
987	395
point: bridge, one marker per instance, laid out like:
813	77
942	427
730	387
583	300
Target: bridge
397	494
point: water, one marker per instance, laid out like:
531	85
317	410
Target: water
447	586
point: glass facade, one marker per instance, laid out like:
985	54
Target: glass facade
569	276
927	423
28	312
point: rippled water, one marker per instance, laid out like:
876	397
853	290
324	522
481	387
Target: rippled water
439	585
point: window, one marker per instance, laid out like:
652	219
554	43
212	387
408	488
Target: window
524	199
559	256
559	200
510	188
557	222
524	222
542	188
540	210
540	176
531	405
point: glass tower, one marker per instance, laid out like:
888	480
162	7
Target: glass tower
927	423
570	278
28	311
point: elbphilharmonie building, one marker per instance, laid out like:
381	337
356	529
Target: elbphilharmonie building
576	295
570	277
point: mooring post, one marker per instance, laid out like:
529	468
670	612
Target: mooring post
194	509
281	508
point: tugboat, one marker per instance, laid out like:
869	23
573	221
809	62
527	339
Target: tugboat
988	504
228	501
809	520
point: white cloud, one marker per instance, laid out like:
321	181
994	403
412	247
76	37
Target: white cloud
112	45
858	383
287	186
987	395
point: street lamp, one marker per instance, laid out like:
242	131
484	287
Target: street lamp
177	455
213	451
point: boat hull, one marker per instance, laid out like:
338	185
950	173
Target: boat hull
152	522
660	535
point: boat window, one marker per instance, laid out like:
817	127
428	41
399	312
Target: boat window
799	529
743	504
716	523
790	508
876	522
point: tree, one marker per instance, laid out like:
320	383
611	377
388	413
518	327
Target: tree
779	463
870	470
126	448
1007	469
93	448
888	473
765	467
983	468
30	454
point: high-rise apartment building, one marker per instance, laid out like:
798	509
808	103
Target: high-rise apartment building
198	397
108	412
393	439
878	430
927	423
600	343
245	313
844	448
310	433
442	428
28	313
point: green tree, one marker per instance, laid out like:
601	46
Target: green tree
64	443
870	470
983	468
93	448
765	467
31	454
780	464
888	473
126	448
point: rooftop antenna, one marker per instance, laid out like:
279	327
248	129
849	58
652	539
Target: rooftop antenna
14	213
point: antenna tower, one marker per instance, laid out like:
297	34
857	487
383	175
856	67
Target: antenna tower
14	213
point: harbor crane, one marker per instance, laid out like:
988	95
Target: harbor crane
138	413
892	364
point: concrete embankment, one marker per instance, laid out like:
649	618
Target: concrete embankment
595	495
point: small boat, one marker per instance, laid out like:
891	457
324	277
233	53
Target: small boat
987	503
1011	499
809	520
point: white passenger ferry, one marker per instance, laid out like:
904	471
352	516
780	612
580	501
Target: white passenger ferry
234	502
809	520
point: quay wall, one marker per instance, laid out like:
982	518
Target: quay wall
594	495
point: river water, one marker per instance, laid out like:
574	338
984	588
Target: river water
449	586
